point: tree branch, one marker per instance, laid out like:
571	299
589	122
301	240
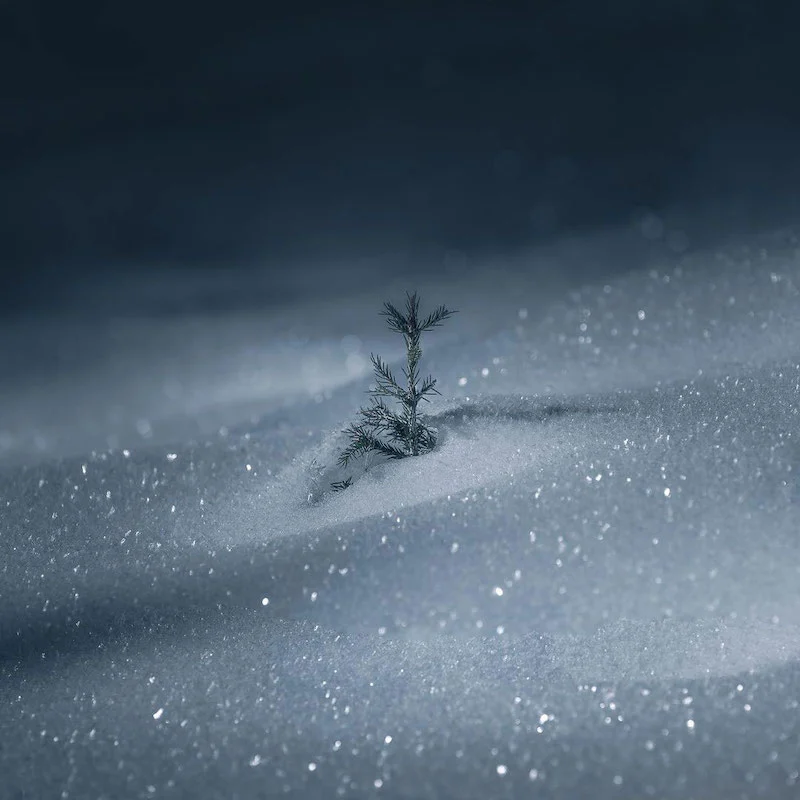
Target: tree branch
436	318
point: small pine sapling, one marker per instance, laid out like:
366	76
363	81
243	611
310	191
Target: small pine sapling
396	433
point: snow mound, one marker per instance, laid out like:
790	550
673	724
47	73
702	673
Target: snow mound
481	443
589	589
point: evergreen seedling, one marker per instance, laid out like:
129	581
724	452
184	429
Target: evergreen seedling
397	432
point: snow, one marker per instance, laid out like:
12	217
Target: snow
588	589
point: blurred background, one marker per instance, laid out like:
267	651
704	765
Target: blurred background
305	147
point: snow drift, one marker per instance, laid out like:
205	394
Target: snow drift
588	587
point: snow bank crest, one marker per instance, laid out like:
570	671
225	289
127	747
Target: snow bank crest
482	442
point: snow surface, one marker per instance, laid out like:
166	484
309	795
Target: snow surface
588	590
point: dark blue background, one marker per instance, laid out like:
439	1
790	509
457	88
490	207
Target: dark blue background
138	135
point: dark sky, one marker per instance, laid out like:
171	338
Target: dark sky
140	134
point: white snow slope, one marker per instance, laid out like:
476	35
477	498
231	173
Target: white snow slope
590	589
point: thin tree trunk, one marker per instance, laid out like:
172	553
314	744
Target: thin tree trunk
412	402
